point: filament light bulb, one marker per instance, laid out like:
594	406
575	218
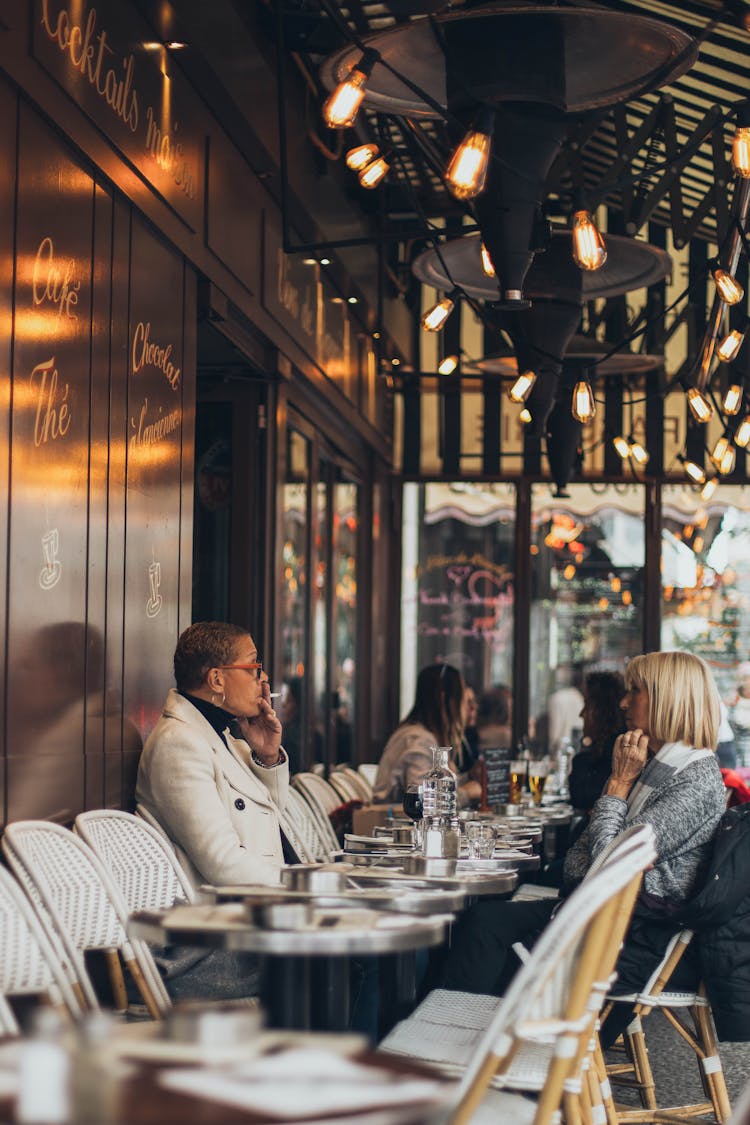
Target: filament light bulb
709	488
728	287
732	399
742	437
589	250
487	267
521	389
448	365
375	171
726	465
359	157
583	406
700	407
524	416
466	174
695	472
741	151
639	453
342	106
719	450
435	317
730	345
622	446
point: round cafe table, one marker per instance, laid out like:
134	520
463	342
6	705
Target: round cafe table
305	969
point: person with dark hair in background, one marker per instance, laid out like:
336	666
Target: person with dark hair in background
603	720
494	718
436	719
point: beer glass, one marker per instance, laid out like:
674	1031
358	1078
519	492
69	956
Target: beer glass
538	771
517	780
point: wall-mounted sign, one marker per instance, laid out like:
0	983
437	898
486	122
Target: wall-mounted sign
108	62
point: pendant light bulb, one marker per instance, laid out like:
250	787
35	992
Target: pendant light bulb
726	465
720	450
521	389
622	445
695	472
729	289
700	407
741	151
435	317
730	345
375	171
639	453
487	267
709	488
448	365
359	157
342	106
589	250
466	174
525	416
742	436
583	406
732	399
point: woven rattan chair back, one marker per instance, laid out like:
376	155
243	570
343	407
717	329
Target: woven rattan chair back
306	785
140	860
29	965
86	908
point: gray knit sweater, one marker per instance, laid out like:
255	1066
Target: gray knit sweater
684	815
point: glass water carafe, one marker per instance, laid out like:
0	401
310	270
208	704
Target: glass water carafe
439	787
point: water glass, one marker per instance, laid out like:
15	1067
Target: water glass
480	837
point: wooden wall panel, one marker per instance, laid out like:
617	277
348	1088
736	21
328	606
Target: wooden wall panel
154	468
47	614
8	113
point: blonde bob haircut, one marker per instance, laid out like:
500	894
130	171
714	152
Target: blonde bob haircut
683	701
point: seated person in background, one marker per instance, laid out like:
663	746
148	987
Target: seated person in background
494	718
436	719
213	775
603	721
664	773
470	742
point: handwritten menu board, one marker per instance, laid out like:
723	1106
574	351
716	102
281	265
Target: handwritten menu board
154	465
50	420
496	777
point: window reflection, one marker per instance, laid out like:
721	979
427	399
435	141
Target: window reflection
457	582
587	561
319	594
346	497
706	592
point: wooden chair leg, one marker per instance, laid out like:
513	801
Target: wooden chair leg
638	1050
145	990
600	1069
117	980
710	1064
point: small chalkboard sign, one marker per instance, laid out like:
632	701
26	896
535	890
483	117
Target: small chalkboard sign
496	776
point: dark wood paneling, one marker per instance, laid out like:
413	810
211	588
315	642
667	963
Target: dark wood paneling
118	732
189	345
50	662
8	114
234	208
154	473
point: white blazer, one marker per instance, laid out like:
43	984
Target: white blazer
219	809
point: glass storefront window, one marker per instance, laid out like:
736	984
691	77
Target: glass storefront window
293	602
587	563
319	595
706	592
457	597
345	500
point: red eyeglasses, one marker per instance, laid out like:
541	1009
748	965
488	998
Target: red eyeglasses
257	668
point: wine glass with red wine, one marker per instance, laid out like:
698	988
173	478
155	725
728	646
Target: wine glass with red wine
412	804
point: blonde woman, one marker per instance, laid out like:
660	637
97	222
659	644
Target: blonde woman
664	773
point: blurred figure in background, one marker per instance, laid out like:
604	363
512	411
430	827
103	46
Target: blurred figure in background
603	720
739	715
470	744
436	719
494	718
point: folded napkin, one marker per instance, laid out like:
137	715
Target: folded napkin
305	1083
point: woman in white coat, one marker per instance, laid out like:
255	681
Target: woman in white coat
213	775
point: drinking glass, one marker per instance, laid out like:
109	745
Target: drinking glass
538	772
517	780
480	837
413	807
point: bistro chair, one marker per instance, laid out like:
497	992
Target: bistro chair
139	859
701	1037
539	1035
29	965
58	869
350	785
305	823
322	800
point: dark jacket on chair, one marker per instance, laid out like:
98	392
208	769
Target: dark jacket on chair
720	916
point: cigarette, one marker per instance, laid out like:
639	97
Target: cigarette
275	695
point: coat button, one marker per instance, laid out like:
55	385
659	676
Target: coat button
239	804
